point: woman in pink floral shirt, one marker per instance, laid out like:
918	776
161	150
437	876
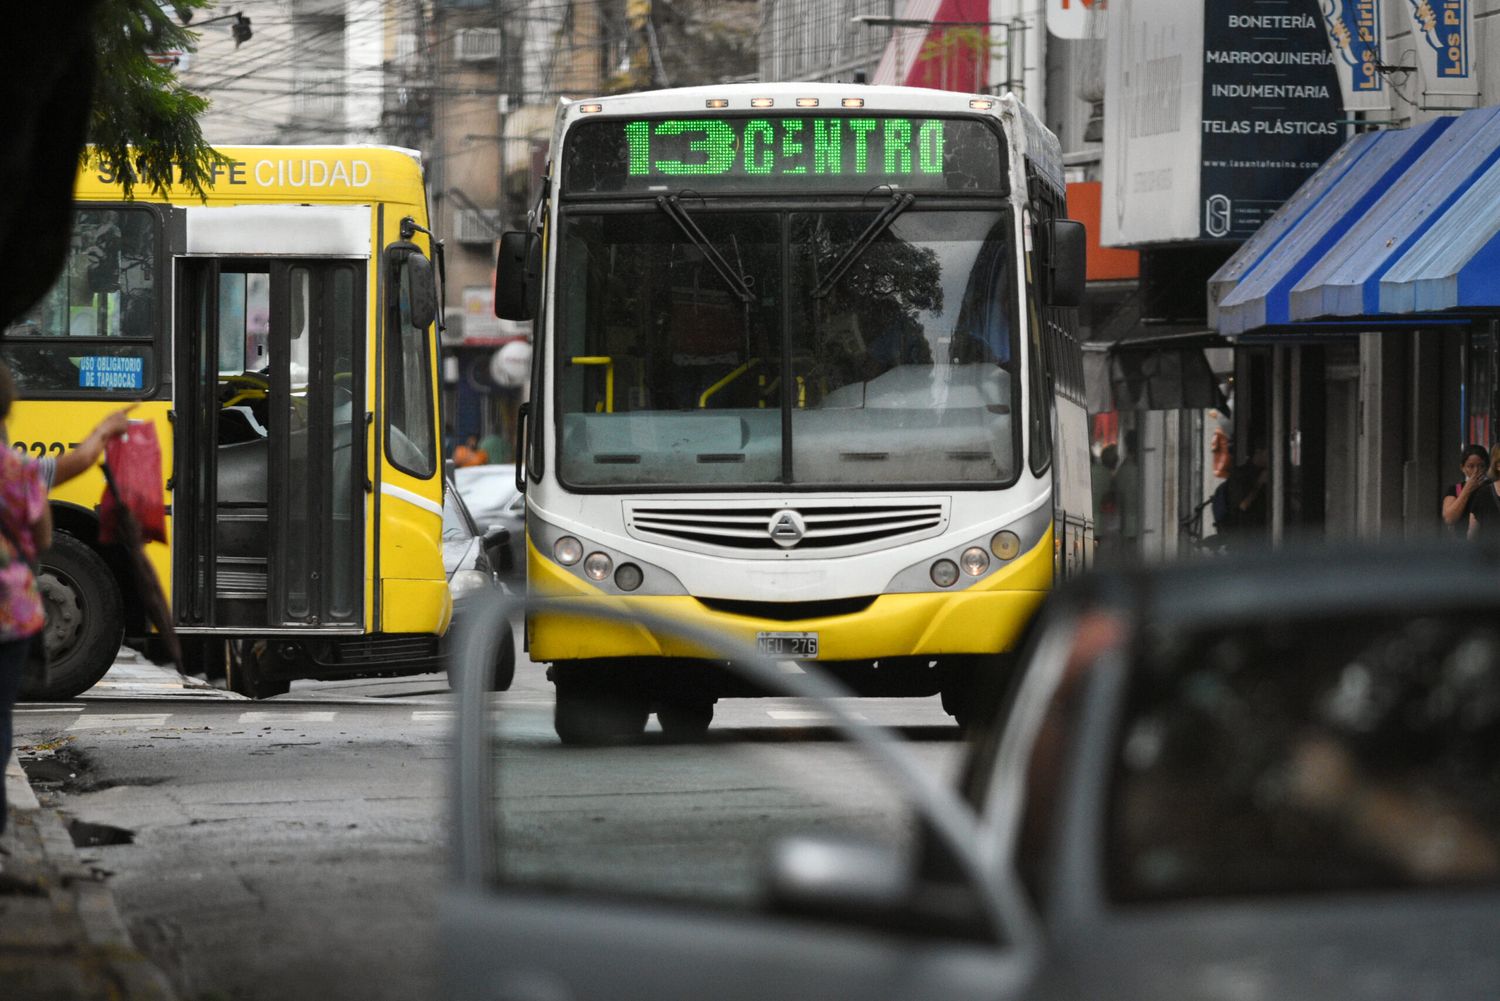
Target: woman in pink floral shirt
25	530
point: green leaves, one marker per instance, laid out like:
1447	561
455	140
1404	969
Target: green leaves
144	125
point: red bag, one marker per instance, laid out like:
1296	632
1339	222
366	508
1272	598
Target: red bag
134	460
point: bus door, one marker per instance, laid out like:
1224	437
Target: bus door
270	444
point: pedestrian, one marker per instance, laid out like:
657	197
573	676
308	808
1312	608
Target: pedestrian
25	530
1482	510
1473	464
494	447
57	471
469	453
1245	492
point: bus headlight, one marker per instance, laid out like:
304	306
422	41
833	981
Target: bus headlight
567	550
598	566
944	573
628	577
974	561
1005	545
466	582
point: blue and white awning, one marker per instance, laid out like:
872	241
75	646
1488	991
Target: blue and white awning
1395	227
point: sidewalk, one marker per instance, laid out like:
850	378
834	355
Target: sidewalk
61	938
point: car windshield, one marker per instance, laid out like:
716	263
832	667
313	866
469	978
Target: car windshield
487	489
1315	755
456	523
895	363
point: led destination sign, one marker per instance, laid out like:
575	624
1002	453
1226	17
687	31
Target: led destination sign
781	153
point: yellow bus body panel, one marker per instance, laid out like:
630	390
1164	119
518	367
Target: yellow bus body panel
988	617
413	584
416	606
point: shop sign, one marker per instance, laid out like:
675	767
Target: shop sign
1074	18
1355	34
1213	121
1444	34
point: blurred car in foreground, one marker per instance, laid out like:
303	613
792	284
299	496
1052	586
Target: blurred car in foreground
490	494
1257	777
469	559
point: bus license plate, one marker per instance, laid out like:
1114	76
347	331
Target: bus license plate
787	644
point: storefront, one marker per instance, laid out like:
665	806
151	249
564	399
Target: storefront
1369	305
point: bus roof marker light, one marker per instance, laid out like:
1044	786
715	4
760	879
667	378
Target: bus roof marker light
945	573
716	102
853	102
807	102
982	103
567	550
589	109
762	102
598	566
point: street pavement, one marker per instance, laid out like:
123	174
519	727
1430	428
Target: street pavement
261	829
61	936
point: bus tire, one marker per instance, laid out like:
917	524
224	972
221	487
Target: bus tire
85	620
591	717
683	719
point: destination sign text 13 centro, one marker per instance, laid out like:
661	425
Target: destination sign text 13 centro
821	151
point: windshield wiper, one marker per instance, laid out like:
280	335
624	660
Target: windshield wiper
736	282
882	222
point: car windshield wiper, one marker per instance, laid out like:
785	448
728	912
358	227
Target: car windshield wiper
738	284
898	204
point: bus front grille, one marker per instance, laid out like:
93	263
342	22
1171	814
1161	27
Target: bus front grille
811	527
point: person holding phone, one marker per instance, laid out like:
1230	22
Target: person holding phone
1482	509
1473	464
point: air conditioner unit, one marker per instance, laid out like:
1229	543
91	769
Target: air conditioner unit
476	225
477	45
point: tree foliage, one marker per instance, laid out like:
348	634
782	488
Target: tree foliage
143	126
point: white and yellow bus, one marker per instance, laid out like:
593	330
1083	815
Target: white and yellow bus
279	334
805	374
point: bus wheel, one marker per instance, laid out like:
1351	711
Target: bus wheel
85	620
682	719
592	717
247	674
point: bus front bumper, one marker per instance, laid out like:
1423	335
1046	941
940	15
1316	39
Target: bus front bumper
988	617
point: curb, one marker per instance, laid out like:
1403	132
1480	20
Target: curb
61	935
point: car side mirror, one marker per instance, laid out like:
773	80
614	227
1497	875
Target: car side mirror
873	885
496	545
518	276
1067	242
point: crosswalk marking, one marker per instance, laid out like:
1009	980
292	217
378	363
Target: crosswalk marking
273	716
100	721
805	715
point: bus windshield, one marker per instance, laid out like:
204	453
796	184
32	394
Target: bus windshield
893	363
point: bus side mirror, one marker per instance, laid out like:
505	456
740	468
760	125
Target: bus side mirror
1068	245
419	289
518	276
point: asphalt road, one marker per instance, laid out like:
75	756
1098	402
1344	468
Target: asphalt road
294	848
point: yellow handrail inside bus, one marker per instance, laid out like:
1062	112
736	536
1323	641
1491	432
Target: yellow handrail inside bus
608	362
733	375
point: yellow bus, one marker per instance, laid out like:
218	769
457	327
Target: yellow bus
280	335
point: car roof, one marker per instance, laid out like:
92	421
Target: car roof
1300	581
